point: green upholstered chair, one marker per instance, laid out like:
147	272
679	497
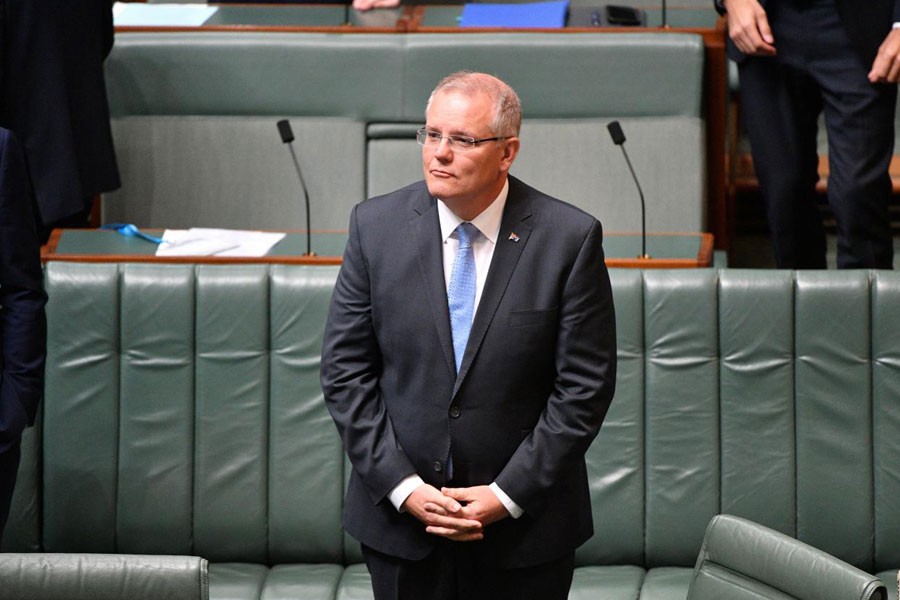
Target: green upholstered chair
103	577
741	560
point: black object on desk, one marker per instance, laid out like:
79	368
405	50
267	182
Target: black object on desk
610	15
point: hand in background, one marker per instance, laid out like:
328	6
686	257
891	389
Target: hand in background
749	28
886	68
370	4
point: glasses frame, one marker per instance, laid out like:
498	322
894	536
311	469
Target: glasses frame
429	137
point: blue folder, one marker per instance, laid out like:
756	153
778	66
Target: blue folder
535	14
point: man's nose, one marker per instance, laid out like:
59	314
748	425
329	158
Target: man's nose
443	149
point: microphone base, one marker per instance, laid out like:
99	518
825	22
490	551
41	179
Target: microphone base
310	253
644	256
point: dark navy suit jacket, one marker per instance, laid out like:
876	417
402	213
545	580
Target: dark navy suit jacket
53	97
22	322
535	383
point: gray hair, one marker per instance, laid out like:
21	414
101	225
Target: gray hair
507	106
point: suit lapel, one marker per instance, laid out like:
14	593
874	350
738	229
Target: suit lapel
515	229
427	233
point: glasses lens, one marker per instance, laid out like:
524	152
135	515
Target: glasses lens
462	142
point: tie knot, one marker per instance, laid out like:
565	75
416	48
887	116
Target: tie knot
466	233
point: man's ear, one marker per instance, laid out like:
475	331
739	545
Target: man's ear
510	151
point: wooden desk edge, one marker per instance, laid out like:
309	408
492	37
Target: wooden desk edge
211	260
48	254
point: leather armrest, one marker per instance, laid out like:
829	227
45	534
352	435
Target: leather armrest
738	554
102	577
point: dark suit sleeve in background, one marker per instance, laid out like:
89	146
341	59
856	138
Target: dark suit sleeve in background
53	97
22	319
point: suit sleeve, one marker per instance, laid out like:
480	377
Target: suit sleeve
351	367
22	299
584	385
107	27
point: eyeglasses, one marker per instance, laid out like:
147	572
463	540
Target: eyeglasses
427	137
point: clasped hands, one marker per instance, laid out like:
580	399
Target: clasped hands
458	514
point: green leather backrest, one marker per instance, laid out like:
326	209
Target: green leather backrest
256	74
571	86
194	122
184	414
766	394
225	171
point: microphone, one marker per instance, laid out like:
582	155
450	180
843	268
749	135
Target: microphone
665	23
618	138
287	136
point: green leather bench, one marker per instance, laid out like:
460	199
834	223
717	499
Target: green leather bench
194	122
183	416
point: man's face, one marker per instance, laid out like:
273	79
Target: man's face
466	180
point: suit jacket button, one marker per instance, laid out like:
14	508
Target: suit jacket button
454	412
438	466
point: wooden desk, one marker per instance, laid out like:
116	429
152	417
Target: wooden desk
444	19
667	250
101	245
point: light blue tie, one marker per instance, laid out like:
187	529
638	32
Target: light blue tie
461	293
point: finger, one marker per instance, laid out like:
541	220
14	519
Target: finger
435	509
455	535
454	523
765	31
448	503
461	494
893	74
879	70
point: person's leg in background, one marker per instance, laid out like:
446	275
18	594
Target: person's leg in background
780	109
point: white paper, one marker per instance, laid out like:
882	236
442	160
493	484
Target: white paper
202	241
160	15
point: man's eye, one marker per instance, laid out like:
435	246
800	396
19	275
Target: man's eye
433	136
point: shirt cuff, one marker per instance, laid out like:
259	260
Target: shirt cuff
402	490
515	511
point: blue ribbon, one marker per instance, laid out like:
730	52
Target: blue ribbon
129	230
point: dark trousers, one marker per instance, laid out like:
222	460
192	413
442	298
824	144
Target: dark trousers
9	467
817	69
454	572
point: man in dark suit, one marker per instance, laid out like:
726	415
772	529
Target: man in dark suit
797	58
468	445
53	98
22	323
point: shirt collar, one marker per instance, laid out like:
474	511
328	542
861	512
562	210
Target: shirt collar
488	222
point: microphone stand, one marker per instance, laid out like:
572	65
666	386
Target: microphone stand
618	138
643	210
287	136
